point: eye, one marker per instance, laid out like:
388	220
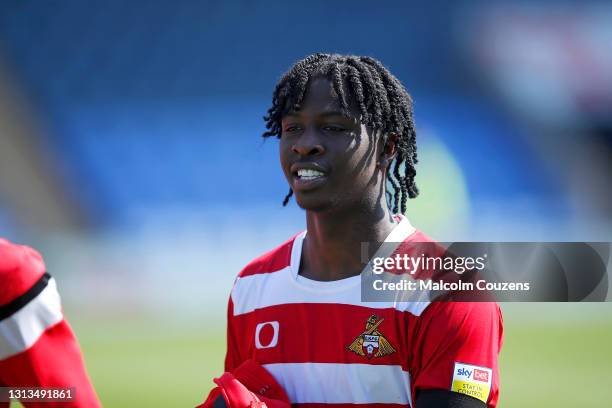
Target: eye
334	128
291	128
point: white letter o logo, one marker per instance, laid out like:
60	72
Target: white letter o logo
274	340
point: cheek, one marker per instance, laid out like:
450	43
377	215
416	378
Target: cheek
363	158
284	150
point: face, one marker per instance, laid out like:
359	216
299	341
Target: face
330	160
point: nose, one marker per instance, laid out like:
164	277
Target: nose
308	145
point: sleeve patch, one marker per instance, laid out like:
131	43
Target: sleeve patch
472	380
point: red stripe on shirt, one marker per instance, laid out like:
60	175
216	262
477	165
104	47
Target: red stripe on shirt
321	333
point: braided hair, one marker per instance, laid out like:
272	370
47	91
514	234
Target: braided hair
384	103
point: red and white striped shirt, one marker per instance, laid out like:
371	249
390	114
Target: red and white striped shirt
326	347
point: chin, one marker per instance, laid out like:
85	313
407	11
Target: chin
312	205
316	204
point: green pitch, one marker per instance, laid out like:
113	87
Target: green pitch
152	364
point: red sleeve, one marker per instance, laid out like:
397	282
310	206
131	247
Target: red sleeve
232	357
20	268
53	361
456	347
37	346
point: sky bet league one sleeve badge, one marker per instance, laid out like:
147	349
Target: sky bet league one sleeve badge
472	380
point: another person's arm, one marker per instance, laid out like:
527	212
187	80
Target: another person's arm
37	346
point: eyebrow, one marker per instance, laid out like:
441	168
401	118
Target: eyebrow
324	114
335	113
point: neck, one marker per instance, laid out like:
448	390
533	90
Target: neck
332	248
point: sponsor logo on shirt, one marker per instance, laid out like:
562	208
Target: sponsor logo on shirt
472	380
371	342
263	338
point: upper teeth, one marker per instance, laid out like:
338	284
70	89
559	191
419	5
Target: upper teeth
309	173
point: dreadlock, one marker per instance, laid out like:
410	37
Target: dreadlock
384	103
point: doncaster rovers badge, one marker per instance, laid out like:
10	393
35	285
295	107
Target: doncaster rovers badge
372	343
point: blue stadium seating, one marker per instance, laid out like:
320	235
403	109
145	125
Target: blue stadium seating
159	104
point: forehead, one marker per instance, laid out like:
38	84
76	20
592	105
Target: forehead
321	98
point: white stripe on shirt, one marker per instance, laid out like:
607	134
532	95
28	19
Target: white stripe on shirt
333	383
21	330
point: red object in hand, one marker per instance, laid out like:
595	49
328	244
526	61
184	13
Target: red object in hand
249	386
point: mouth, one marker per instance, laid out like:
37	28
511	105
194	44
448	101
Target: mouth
308	176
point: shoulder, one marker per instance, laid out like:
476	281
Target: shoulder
463	319
419	236
274	260
456	312
261	277
20	268
418	246
418	242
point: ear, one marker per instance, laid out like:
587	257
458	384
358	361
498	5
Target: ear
389	150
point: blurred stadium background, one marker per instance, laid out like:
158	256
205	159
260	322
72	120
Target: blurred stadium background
131	157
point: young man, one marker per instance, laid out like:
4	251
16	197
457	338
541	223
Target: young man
348	151
37	346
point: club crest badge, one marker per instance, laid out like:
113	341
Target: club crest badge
372	343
